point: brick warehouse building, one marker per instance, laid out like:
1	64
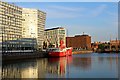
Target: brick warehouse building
79	41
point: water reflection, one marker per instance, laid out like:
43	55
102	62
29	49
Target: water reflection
82	66
109	61
57	66
0	72
20	70
82	62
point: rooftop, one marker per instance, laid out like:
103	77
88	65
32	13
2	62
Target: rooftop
54	28
81	35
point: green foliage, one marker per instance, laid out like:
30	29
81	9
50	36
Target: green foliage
101	46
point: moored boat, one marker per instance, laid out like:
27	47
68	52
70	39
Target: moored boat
69	51
61	51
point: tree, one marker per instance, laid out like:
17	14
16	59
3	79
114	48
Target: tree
101	47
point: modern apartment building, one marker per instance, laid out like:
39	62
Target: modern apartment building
33	25
17	24
10	23
54	35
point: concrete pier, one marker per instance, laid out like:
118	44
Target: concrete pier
81	52
25	55
30	55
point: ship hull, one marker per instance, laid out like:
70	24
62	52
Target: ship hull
57	54
68	52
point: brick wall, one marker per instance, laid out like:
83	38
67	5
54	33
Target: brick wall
80	41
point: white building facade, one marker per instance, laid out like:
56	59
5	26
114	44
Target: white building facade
54	35
10	24
33	25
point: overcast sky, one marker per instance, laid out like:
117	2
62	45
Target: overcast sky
97	19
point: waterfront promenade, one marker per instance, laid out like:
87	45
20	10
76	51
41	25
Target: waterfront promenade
82	52
24	55
40	54
36	54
